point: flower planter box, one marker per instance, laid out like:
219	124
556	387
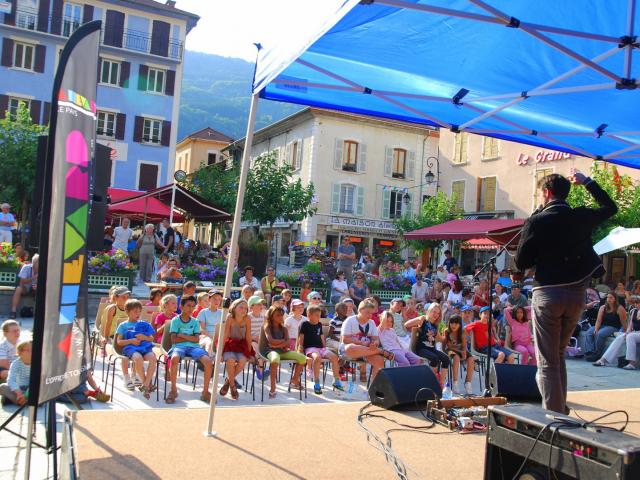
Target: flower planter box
387	295
105	282
295	291
8	276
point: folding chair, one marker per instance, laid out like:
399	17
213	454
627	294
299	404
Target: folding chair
262	354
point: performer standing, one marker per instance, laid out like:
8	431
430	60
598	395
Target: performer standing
556	240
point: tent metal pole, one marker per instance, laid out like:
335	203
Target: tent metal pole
484	18
173	202
628	54
231	259
552	43
32	421
624	150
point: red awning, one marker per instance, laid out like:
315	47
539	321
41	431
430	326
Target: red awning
135	208
500	231
479	244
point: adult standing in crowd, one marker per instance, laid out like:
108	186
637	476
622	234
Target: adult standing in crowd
147	243
449	261
346	258
7	223
166	236
121	236
556	240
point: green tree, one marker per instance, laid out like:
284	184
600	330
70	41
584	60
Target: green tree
622	190
215	183
18	150
435	210
272	195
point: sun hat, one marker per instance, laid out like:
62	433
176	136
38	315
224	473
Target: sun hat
213	292
118	292
399	299
5	205
254	300
466	308
484	309
314	294
296	301
277	298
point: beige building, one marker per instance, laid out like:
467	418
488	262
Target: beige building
366	173
494	178
200	148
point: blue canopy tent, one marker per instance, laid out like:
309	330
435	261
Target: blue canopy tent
554	74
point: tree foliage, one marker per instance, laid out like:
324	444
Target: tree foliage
622	190
215	183
18	150
435	210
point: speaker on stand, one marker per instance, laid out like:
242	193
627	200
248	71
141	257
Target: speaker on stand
100	181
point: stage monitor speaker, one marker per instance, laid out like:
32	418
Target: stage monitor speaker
398	387
516	382
565	451
35	215
101	179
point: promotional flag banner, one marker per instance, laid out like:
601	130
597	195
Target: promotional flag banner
61	353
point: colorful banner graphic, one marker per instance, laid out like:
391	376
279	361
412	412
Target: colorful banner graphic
61	343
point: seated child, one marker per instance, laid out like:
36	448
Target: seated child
210	318
455	344
521	338
311	342
480	329
203	303
154	298
293	321
428	336
168	308
390	341
136	337
185	335
15	390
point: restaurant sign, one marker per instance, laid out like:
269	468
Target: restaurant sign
542	156
363	223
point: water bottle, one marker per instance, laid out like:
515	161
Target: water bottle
351	385
446	393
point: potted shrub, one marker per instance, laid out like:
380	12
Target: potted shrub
10	265
111	268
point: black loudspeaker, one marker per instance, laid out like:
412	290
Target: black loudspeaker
517	382
398	387
564	450
35	215
100	181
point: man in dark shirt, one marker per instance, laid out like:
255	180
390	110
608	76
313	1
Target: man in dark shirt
167	236
556	240
449	261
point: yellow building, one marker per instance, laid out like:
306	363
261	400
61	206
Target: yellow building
200	148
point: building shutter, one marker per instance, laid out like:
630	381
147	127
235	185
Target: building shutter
166	133
56	17
160	38
87	13
337	153
143	73
7	52
138	127
125	73
147	176
490	194
10	18
287	154
464	141
170	83
411	165
386	204
47	113
43	16
41	53
359	201
335	198
388	161
34	110
121	123
299	153
114	28
362	158
4	105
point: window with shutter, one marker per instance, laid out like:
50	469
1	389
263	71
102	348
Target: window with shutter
460	149
350	156
359	201
337	154
395	204
386	204
71	19
110	72
362	158
347	198
388	161
152	131
335	198
399	163
487	191
106	124
14	103
490	148
147	176
23	55
155	80
297	160
211	158
457	193
26	14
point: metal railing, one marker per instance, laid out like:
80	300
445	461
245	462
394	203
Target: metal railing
131	39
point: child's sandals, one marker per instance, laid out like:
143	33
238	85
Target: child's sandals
171	398
387	354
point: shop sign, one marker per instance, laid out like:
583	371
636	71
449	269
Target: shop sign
362	223
542	156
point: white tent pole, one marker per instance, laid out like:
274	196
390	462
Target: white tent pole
173	202
624	150
628	54
231	258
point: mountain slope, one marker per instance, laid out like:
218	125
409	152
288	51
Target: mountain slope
216	92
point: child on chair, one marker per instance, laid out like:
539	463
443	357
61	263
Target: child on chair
390	341
521	339
136	337
455	344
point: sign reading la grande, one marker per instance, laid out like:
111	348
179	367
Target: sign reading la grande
542	156
362	223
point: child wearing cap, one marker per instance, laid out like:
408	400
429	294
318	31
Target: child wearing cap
315	298
136	337
480	330
210	318
293	321
278	301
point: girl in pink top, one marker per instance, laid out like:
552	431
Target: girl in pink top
168	307
389	340
521	340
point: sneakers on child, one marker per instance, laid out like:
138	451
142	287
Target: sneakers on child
317	389
338	386
128	383
468	388
259	373
137	382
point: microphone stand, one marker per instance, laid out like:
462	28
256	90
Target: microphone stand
491	265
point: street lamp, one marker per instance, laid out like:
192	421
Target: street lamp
429	177
406	198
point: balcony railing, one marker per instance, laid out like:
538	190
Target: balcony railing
130	39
